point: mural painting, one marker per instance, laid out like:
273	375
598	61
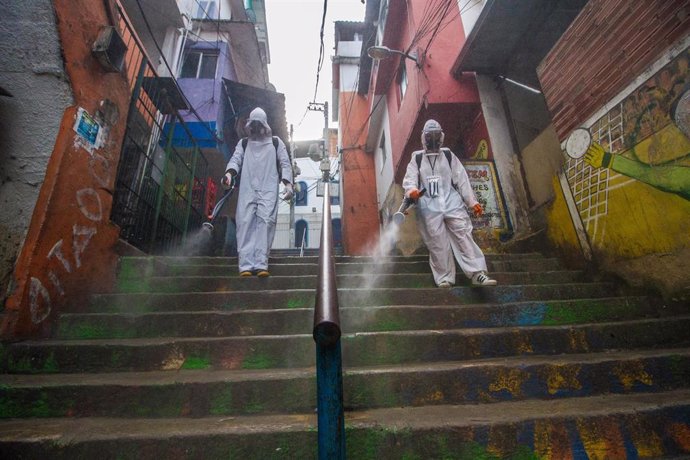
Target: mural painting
633	182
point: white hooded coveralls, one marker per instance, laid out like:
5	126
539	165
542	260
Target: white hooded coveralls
443	221
257	204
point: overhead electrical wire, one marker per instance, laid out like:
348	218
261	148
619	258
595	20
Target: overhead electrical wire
321	48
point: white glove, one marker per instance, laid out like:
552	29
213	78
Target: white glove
289	192
227	181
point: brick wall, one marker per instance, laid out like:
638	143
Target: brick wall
609	44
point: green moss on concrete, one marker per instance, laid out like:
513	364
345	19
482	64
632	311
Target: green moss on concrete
392	324
221	401
41	407
29	365
21	365
50	365
411	456
118	358
367	444
254	407
258	361
196	362
294	303
81	331
137	284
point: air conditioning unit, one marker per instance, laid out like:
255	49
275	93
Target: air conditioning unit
110	49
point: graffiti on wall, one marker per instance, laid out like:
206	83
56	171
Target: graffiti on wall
66	255
641	142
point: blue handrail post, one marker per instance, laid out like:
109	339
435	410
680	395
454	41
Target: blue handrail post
326	333
329	383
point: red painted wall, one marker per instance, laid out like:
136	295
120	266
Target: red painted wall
69	248
607	46
429	86
358	205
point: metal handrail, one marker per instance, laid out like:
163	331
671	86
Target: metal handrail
326	333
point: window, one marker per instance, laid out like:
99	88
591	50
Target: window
205	9
403	80
302	194
382	147
200	64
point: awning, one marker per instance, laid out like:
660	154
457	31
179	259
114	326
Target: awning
511	37
245	98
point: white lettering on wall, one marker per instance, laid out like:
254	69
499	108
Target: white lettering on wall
90	204
81	237
56	251
39	310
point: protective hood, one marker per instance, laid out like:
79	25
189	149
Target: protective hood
259	115
432	136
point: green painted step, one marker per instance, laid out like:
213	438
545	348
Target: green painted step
359	349
207	393
609	426
360	319
409	280
305	298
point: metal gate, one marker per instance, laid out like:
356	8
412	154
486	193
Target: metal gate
160	189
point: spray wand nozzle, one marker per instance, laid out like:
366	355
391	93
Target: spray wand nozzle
407	203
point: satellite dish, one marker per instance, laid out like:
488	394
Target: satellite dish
578	142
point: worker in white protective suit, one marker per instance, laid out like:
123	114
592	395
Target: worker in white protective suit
442	212
263	162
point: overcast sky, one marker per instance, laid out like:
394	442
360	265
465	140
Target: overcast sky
293	37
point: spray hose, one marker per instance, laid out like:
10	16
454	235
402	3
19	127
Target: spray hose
405	206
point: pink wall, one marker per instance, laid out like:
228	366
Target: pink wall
432	91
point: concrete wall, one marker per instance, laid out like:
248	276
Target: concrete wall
31	70
542	160
69	250
507	163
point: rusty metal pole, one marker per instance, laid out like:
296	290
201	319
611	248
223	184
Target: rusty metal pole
326	333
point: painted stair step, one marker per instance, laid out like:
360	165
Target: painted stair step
359	349
361	319
206	393
315	259
295	269
609	426
305	298
409	280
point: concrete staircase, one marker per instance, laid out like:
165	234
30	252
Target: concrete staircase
190	361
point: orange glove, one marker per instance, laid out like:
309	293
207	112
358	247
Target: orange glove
478	211
414	194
